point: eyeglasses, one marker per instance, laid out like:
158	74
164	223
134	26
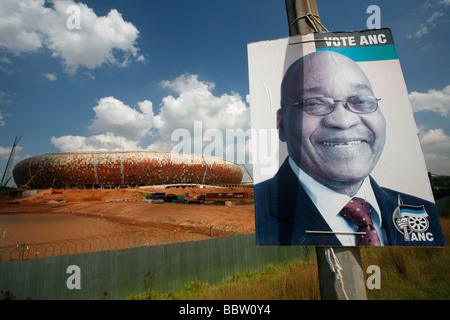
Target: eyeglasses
321	106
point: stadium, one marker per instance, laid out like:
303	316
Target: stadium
91	170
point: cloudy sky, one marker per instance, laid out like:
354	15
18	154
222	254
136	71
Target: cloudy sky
123	75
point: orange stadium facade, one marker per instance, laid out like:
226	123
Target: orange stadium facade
120	169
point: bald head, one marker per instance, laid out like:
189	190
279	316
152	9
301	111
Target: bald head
318	67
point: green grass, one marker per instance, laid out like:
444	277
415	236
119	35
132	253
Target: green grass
406	273
297	280
411	273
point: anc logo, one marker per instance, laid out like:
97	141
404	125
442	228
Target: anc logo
412	222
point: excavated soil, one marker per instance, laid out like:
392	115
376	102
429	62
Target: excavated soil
125	207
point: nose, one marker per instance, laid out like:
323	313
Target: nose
341	117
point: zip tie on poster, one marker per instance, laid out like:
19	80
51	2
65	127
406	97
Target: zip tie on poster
311	18
307	41
333	263
314	40
336	232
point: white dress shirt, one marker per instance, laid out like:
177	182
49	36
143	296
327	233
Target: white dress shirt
330	203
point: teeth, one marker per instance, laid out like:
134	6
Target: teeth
342	144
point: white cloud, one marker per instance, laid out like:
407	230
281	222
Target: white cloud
160	146
6	97
186	83
6	64
19	31
436	147
102	142
424	28
196	102
437	164
114	116
50	76
5	152
27	26
122	127
434	141
433	100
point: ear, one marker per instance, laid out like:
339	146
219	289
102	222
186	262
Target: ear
280	124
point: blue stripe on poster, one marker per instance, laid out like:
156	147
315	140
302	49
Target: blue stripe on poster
369	53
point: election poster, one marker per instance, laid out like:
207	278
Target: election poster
336	156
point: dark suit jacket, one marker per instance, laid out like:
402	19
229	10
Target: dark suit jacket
284	212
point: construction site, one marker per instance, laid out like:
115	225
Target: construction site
163	195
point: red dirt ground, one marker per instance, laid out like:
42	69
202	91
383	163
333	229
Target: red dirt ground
184	218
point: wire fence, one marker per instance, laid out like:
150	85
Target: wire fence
116	241
118	274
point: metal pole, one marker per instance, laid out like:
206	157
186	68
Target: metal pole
301	16
341	276
340	270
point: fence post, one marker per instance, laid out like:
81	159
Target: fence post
134	239
211	231
22	248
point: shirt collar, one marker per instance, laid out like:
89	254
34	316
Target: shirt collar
330	203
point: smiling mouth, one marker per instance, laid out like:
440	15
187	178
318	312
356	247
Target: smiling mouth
344	144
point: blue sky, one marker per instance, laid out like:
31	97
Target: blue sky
137	70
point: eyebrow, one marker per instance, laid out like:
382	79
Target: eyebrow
313	90
355	86
361	86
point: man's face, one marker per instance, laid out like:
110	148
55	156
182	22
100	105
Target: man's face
340	148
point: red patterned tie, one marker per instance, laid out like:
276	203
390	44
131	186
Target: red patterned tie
358	212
